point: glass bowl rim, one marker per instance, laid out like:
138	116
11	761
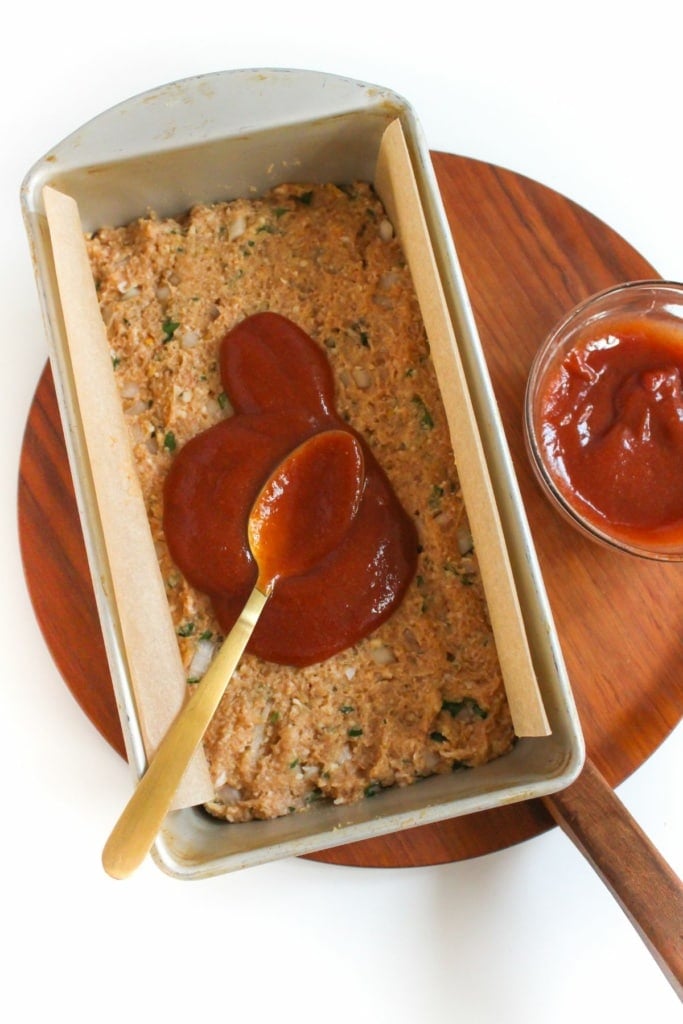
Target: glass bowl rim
557	499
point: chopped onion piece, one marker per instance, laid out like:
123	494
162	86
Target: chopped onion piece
258	737
344	754
465	542
382	655
238	227
136	409
189	339
386	230
388	280
201	659
228	794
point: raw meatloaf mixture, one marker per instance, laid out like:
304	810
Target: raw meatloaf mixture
421	695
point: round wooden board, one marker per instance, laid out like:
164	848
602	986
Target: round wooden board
528	254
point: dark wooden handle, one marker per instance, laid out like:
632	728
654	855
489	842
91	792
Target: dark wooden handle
645	886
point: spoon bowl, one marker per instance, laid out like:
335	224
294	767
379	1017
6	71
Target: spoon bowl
306	506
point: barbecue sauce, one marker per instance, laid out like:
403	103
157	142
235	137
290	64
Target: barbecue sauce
612	429
281	387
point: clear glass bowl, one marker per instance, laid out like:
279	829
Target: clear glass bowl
650	307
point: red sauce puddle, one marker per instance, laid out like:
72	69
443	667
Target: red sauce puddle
281	387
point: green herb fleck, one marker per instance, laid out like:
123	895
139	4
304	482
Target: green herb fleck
116	361
170	442
273	717
373	789
466	577
435	496
294	763
169	327
222	400
306	198
454	707
346	709
187	629
420	580
354	732
280	211
426	421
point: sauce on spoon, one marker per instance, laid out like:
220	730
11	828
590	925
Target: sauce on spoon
306	507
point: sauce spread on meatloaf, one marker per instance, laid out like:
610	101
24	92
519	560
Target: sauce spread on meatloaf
423	693
281	389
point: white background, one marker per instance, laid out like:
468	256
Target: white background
584	97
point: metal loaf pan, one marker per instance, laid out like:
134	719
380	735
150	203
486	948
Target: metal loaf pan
233	133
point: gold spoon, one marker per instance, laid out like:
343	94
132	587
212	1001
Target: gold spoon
301	514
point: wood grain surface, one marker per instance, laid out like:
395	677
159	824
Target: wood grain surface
528	254
647	889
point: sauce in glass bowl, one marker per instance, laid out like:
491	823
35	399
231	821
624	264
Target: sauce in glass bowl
604	418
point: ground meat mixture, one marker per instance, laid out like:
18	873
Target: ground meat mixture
421	695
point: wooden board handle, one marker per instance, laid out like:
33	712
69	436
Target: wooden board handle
644	885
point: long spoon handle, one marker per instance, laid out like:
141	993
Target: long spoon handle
135	831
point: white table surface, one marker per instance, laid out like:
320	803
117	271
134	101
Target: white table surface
587	101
